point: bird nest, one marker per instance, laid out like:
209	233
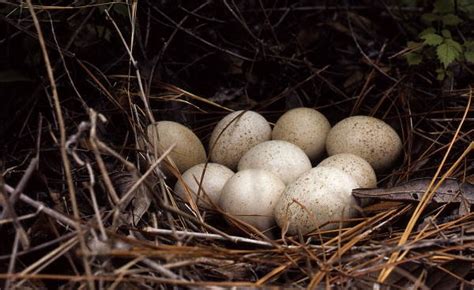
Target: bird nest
83	204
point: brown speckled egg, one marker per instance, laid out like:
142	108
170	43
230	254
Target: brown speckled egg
321	195
355	166
367	137
282	158
215	176
304	127
235	134
251	195
188	151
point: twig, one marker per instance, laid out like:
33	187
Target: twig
234	239
428	195
62	132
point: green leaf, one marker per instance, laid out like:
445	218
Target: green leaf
448	52
444	6
427	31
455	44
440	74
469	45
446	33
451	20
467	6
413	58
432	39
469	56
429	17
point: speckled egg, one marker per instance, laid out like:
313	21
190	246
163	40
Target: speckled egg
235	134
188	151
213	177
367	137
317	197
355	166
304	127
282	158
251	195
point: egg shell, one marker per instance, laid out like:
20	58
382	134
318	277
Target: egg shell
284	159
188	151
215	176
235	134
367	137
320	195
305	127
251	195
355	166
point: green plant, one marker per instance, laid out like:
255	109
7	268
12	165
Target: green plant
443	39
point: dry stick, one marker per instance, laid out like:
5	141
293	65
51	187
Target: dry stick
180	91
122	271
132	189
430	191
20	218
234	239
63	60
47	259
135	65
40	207
60	217
41	246
95	206
11	265
320	275
140	82
451	169
10	204
136	278
9	210
24	180
62	131
98	157
192	34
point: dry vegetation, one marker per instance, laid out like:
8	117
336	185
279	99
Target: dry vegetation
83	207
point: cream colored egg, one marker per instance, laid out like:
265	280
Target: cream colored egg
251	195
282	158
235	134
211	178
319	196
304	127
188	151
367	137
355	166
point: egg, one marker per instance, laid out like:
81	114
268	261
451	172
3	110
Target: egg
367	137
282	158
235	134
188	150
320	195
355	166
215	176
305	127
251	195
